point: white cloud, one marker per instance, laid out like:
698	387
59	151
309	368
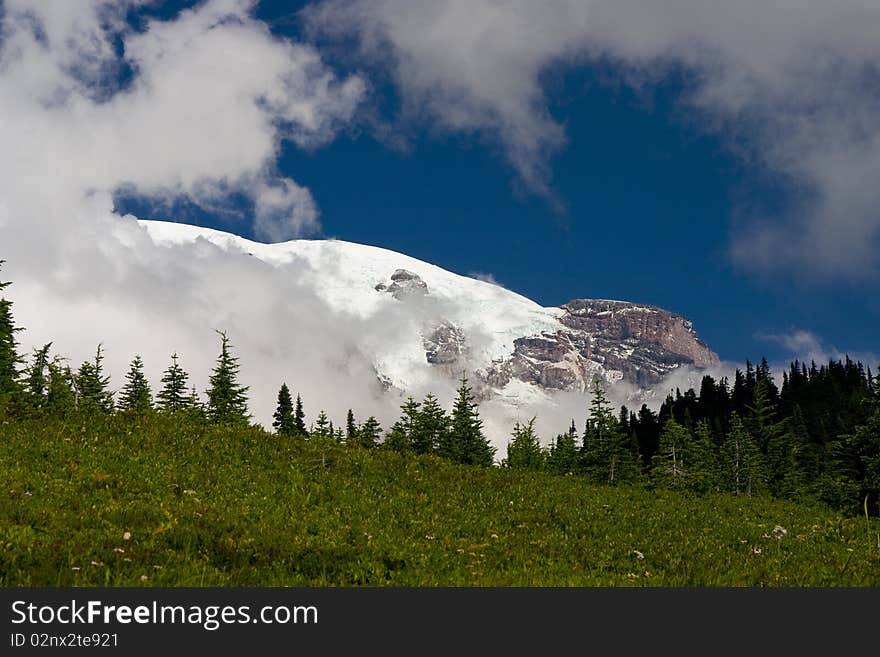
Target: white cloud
790	84
210	96
807	346
486	277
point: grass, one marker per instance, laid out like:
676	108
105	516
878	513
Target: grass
159	502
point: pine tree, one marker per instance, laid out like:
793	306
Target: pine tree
741	466
563	456
135	395
9	358
431	426
227	399
60	390
173	396
283	417
670	466
703	476
402	434
369	433
606	453
396	440
92	387
524	451
465	442
350	427
36	379
194	406
299	419
322	425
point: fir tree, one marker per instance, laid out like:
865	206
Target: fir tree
741	460
863	453
350	427
563	456
9	358
173	396
369	433
465	442
670	466
194	406
431	426
92	387
135	395
299	419
606	454
60	394
524	451
283	417
396	440
322	425
402	434
703	476
36	379
227	399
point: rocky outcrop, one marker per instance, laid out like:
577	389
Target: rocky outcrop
613	340
404	284
445	344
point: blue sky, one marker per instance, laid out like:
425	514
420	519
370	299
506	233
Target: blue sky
646	197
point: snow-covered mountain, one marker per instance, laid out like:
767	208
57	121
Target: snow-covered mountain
444	324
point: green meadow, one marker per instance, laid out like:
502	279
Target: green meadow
163	501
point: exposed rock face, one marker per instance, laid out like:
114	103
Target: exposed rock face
404	284
445	344
611	339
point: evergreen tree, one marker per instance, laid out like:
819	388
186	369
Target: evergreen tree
92	387
606	454
431	426
703	476
60	390
741	466
647	429
465	442
524	451
670	466
194	406
36	379
283	418
369	433
227	399
761	415
322	426
859	458
9	358
563	456
135	395
299	419
173	396
401	436
396	440
350	427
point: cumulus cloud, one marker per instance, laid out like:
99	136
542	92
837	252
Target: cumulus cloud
790	84
210	96
196	107
807	346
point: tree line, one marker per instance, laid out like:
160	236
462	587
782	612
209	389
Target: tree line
817	436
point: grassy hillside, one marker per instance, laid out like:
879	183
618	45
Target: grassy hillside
162	502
